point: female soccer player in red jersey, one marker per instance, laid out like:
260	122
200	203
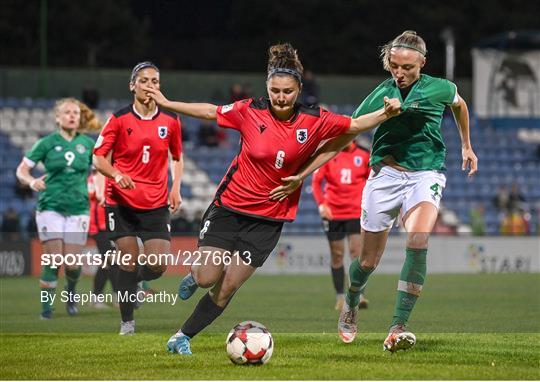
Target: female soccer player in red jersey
278	135
140	137
340	207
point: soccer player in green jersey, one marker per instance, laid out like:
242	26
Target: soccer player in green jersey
62	212
407	161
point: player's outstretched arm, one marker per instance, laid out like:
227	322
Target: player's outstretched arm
461	116
196	110
362	123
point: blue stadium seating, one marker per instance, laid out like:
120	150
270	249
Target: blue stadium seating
504	159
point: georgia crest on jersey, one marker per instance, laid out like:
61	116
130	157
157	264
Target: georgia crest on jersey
301	135
162	132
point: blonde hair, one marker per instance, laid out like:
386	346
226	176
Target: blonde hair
408	40
89	121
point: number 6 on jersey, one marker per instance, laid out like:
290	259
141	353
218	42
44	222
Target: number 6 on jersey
280	158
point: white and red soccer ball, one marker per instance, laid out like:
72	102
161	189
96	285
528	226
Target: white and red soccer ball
249	343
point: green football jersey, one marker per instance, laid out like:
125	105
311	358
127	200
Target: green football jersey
67	165
414	137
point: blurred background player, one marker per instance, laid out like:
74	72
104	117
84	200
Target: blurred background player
340	208
62	215
407	161
98	231
140	136
277	136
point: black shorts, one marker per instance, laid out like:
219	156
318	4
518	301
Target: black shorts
337	229
254	238
146	224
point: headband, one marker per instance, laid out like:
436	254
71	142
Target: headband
422	52
140	66
292	72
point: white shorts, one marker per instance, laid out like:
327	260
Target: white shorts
390	192
72	229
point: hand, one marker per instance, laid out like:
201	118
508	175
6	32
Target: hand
38	184
392	107
175	200
124	181
325	212
156	95
100	199
290	184
470	161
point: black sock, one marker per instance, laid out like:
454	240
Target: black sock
100	279
338	277
127	282
204	314
145	274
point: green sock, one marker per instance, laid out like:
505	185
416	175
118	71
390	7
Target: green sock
72	276
410	284
145	285
47	282
358	277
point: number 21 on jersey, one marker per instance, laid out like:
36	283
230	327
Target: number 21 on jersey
346	176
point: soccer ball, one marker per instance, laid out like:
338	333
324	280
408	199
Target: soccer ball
249	343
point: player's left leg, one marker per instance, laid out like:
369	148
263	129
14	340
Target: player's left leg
48	279
75	235
419	222
211	305
354	240
337	249
156	264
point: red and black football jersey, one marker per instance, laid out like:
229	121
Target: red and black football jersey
345	175
141	150
270	150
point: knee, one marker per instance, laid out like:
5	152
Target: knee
337	260
203	279
369	261
417	240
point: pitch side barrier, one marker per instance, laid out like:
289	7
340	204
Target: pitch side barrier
310	255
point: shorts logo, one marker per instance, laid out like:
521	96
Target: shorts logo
80	148
358	161
227	108
301	135
58	148
204	229
162	131
435	188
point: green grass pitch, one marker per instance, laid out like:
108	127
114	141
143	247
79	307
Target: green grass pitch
483	326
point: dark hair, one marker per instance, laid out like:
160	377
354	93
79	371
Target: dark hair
408	40
140	66
283	60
